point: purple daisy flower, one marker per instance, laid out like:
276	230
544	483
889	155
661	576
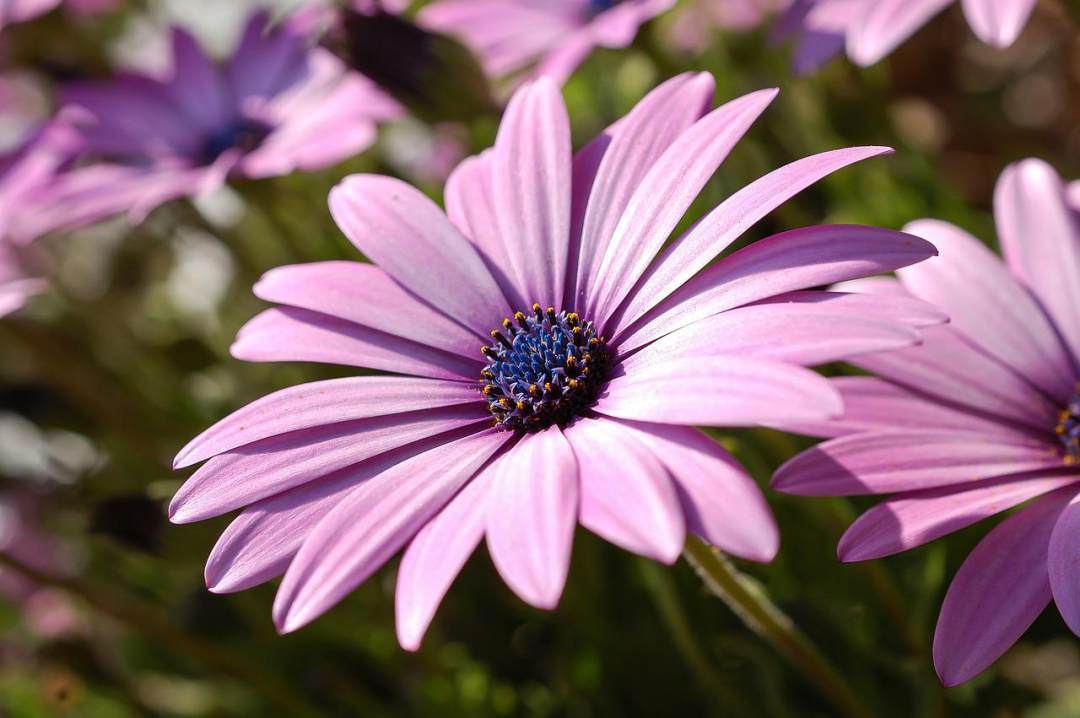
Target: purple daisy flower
277	106
555	353
870	29
555	36
980	418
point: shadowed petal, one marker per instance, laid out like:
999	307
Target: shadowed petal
627	496
997	22
1063	563
531	514
909	460
198	87
914	519
999	591
369	525
719	391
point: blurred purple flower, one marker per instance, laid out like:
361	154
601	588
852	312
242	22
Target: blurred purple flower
982	417
14	11
606	347
554	36
277	106
871	29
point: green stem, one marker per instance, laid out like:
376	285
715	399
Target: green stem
764	618
151	625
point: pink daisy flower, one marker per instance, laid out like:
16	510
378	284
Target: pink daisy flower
13	11
870	29
277	106
982	417
554	354
553	36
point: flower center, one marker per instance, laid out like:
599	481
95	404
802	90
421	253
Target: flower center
1068	430
544	368
595	7
244	135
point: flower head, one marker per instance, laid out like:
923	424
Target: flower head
870	29
554	355
980	418
552	37
275	107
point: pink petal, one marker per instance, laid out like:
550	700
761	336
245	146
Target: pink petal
1041	241
290	334
887	23
997	22
998	592
919	517
632	148
370	524
950	368
896	461
1063	562
531	514
664	195
627	496
322	403
436	556
366	295
785	262
873	405
719	391
986	303
694	250
812	333
243	476
531	173
407	235
559	63
721	502
903	309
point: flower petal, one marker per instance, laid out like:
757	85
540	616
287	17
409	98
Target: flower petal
719	391
627	496
407	235
1063	562
919	517
998	592
369	525
908	461
997	22
887	23
902	309
531	514
291	334
197	86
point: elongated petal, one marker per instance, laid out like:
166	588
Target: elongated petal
1041	241
793	332
435	557
874	405
407	235
627	496
198	87
722	504
531	515
290	334
722	226
998	592
235	479
664	195
366	295
887	23
908	461
719	391
531	173
997	22
633	147
919	517
988	305
321	403
785	262
1063	563
903	309
370	524
949	367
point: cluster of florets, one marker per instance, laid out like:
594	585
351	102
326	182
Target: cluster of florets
544	368
1068	429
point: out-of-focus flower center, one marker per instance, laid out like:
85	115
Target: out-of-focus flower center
596	7
544	368
244	135
1068	429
